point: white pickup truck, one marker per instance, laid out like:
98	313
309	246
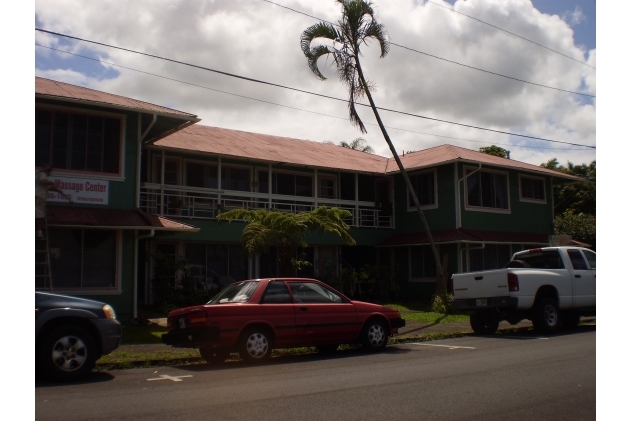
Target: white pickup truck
550	286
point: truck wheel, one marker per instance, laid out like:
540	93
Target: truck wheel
214	355
255	344
66	353
545	315
484	322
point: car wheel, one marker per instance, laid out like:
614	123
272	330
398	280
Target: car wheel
67	353
255	344
484	322
545	315
374	336
327	349
214	355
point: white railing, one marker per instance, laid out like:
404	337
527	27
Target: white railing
201	203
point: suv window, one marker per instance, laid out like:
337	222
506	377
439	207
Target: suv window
545	259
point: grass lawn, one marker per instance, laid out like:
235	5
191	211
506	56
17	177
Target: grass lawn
421	312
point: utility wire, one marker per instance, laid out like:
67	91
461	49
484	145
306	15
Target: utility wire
447	60
511	33
306	92
294	108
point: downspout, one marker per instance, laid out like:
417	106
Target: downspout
135	291
136	237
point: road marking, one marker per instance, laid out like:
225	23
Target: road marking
445	346
172	378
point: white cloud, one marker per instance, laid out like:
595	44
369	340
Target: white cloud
574	17
260	40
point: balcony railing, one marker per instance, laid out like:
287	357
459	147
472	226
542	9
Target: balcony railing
201	203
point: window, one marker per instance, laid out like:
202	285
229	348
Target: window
201	175
591	258
422	262
366	187
236	293
171	170
545	259
492	256
532	189
286	184
233	178
424	187
83	258
487	189
347	186
277	293
578	262
326	188
218	264
81	142
311	293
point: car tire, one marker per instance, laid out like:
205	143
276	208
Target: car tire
374	335
545	315
327	349
484	322
66	353
255	344
213	356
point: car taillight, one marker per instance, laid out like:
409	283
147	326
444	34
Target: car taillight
513	282
197	317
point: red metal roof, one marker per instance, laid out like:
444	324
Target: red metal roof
462	235
53	88
111	218
284	150
448	153
274	149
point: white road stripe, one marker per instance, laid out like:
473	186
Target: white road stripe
444	346
167	377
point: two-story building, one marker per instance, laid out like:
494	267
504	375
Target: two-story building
177	176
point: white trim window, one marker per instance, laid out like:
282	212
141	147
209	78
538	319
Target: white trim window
422	264
532	189
424	185
487	190
326	187
201	174
84	259
79	141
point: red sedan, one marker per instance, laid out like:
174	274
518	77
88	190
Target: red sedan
253	317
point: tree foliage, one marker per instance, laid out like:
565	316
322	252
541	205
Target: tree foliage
286	231
581	226
358	144
495	150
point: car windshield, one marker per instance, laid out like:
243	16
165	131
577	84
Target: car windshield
235	293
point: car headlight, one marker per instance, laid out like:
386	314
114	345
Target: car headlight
109	312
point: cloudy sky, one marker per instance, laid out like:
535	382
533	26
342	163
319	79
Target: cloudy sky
259	39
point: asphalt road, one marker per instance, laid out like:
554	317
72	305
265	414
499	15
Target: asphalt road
519	376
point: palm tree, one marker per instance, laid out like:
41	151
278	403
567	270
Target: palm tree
358	144
356	26
286	231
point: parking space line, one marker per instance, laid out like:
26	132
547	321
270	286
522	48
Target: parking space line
167	377
444	346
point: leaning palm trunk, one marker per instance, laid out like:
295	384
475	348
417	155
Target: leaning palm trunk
404	173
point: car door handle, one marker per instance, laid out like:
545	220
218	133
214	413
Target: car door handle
577	276
302	308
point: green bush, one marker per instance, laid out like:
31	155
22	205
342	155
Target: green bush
440	304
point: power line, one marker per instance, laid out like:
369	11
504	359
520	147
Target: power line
447	60
511	33
303	91
290	107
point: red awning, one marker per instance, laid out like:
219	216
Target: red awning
465	236
71	216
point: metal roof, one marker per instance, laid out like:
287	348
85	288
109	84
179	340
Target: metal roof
73	216
284	150
59	90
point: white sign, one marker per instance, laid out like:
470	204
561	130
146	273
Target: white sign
80	190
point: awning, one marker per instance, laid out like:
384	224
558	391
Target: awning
465	236
79	217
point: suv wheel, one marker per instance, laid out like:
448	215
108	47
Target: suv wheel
66	353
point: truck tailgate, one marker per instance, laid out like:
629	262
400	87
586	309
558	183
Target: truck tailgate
485	284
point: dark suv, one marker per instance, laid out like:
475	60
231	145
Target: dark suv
71	334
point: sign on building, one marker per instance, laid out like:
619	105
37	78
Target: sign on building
559	240
80	190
